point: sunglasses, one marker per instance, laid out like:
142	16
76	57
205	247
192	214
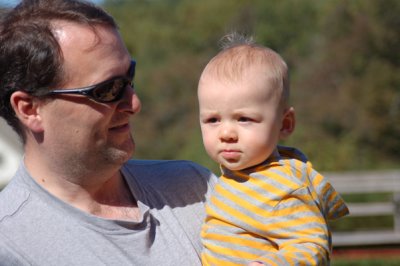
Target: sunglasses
107	91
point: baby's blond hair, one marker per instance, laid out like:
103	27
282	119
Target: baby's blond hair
239	52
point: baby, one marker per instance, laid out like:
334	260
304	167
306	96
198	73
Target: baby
270	207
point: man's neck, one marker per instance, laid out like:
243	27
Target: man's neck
104	194
115	201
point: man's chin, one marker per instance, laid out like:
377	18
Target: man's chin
118	156
121	153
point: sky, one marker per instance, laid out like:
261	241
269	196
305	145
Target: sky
9	3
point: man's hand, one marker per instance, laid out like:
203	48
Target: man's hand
256	263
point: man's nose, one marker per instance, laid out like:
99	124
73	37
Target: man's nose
130	102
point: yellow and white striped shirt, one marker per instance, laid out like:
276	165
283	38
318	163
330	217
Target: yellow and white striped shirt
275	213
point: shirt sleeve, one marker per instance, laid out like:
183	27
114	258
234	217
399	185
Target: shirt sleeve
299	231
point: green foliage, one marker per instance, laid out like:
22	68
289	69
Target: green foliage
350	223
357	81
344	58
363	223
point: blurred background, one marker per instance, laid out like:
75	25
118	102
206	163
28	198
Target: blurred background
344	58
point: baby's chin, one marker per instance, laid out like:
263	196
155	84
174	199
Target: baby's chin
234	166
240	165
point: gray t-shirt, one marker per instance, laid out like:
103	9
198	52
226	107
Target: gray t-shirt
37	228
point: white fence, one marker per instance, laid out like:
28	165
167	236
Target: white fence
369	182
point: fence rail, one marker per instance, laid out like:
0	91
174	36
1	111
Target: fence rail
364	183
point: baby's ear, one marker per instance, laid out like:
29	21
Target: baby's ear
26	109
288	123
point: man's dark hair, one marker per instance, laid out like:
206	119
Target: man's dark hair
31	59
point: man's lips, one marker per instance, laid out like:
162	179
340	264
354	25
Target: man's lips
120	128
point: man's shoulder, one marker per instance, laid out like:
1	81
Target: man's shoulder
12	200
161	163
169	182
166	167
173	174
291	153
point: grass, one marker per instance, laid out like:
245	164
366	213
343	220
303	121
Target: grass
366	256
366	262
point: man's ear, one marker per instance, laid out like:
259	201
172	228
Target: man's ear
288	123
26	108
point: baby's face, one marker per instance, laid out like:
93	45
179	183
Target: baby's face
240	120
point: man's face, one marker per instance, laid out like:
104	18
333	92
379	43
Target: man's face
80	132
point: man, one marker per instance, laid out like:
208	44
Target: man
77	199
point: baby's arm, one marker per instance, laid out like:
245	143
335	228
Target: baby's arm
299	230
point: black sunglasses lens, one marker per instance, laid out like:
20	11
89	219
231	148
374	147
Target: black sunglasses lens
110	91
131	71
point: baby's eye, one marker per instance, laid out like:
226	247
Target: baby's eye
245	119
211	120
